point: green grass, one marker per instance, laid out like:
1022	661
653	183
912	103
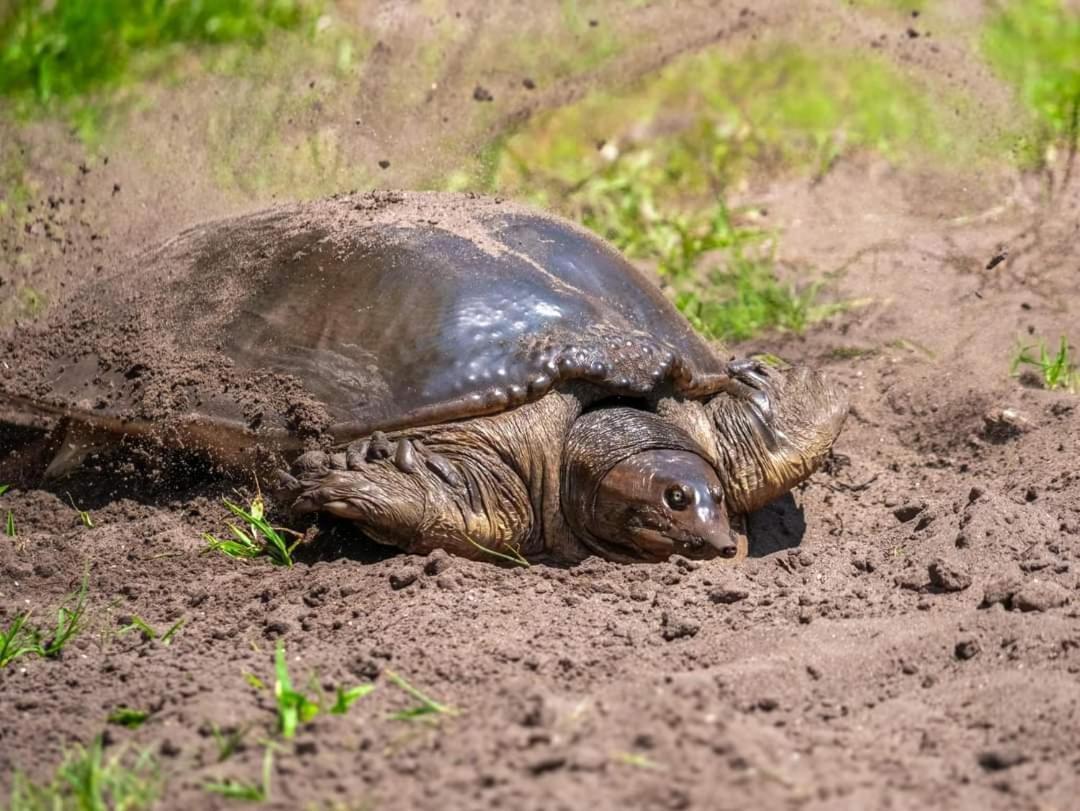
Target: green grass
150	633
511	555
1056	370
18	640
259	538
22	639
650	168
87	781
344	699
248	792
721	271
30	301
69	621
1035	45
64	49
715	116
9	525
427	709
242	790
84	516
227	742
296	708
128	717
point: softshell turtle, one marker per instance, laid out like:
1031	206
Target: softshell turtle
445	370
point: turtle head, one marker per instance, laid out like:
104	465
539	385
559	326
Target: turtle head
636	487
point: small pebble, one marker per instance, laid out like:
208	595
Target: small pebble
967	649
674	627
403	578
996	760
728	594
908	511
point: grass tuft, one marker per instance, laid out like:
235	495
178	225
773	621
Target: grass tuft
346	698
150	633
69	621
228	741
1054	371
1035	45
128	717
63	49
259	538
721	272
84	516
19	639
296	708
241	790
86	781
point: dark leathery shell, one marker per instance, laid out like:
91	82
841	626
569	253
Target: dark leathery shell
392	314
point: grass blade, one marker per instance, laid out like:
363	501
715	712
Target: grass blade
427	706
346	698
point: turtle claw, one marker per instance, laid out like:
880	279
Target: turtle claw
405	457
287	483
311	463
356	454
749	381
444	469
379	447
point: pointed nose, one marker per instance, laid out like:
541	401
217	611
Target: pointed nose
711	531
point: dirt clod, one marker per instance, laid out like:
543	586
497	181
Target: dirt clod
1040	595
677	627
948	575
1000	591
438	561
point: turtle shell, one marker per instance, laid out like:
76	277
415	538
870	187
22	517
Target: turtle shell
357	313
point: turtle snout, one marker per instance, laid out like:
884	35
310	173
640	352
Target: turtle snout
706	531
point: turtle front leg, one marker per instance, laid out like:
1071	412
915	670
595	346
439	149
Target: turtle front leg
421	493
772	430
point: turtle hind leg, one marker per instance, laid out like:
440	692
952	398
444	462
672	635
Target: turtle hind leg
32	455
75	441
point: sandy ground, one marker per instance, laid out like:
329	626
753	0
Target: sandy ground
904	635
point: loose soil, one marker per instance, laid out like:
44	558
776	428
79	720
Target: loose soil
906	632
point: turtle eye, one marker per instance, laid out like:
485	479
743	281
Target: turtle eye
677	497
